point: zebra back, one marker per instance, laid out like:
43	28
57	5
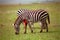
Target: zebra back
33	15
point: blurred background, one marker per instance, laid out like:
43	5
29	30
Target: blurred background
8	15
26	1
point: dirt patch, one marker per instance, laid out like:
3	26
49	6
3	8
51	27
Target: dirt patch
2	25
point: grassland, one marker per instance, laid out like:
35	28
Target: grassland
8	16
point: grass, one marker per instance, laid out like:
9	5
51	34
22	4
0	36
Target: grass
8	16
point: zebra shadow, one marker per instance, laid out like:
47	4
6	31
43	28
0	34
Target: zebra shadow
53	31
46	32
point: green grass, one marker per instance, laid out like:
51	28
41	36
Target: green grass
8	18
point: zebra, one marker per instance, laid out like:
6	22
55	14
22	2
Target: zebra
32	16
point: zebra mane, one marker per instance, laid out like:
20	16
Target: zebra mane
20	11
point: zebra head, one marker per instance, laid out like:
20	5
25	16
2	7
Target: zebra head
17	23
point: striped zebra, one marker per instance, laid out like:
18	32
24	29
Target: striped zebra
32	16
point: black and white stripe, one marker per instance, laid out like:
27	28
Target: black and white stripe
34	15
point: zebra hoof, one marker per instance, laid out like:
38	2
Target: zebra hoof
16	33
47	31
40	31
24	32
31	31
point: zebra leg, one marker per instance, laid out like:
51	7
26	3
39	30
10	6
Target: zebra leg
46	27
30	26
41	27
31	29
25	26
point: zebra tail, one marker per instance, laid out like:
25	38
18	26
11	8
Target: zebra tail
48	19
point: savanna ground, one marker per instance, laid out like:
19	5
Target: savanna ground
8	16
